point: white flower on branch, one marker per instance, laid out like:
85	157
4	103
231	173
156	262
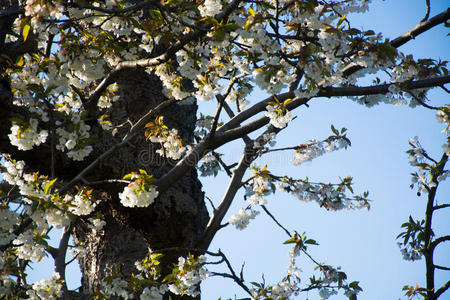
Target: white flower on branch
116	287
49	289
277	119
210	8
57	217
28	137
27	248
134	196
242	218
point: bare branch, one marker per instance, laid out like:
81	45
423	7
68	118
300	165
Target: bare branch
427	13
421	27
233	276
11	12
275	220
441	206
114	11
439	240
233	186
442	268
60	259
383	88
442	289
150	114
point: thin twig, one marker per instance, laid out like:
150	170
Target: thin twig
442	268
275	220
427	13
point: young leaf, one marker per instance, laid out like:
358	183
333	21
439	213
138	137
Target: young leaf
26	31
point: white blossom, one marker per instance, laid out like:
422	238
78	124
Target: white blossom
242	218
49	289
152	293
57	217
210	8
27	248
276	119
133	196
26	139
117	287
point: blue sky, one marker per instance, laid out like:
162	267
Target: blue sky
362	242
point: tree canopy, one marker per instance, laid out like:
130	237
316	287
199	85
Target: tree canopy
103	135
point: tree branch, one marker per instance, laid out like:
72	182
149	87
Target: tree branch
439	240
233	276
131	134
420	28
233	186
436	207
60	259
442	289
427	12
442	268
275	220
112	10
383	88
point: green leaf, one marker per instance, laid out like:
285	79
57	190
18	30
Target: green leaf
231	27
210	20
219	35
334	130
48	186
292	240
353	31
26	31
127	177
311	242
287	101
341	20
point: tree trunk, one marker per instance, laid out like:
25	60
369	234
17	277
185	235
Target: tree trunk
178	216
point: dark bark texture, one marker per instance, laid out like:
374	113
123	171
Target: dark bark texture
178	216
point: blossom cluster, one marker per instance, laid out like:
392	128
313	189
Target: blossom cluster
172	146
210	165
75	141
314	149
50	289
258	186
278	118
140	192
116	287
329	196
267	138
419	159
443	116
242	218
411	251
189	273
25	136
134	196
27	248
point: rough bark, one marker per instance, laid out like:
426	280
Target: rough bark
176	219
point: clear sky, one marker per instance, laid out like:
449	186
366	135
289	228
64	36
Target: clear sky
362	242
